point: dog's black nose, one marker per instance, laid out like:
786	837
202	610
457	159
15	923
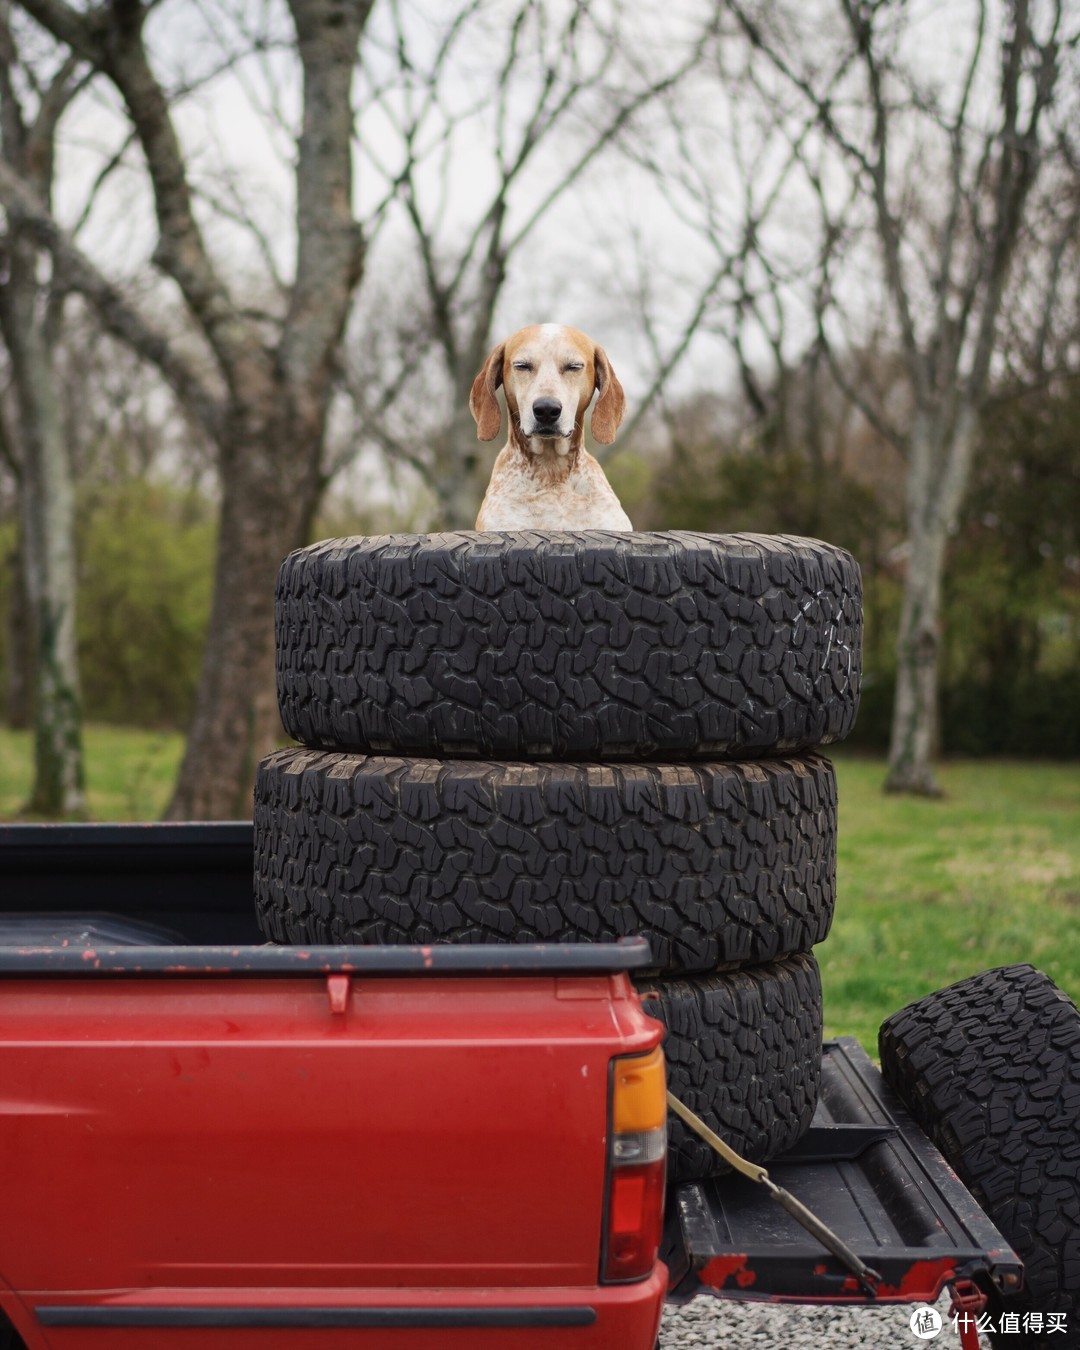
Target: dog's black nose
547	411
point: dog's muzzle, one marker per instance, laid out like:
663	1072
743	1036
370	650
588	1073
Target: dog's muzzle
546	413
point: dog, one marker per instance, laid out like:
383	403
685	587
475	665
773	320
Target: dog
544	478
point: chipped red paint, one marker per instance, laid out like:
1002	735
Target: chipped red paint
627	954
922	1282
723	1269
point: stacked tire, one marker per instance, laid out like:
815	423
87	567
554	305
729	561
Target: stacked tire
576	737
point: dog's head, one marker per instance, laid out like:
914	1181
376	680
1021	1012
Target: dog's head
549	373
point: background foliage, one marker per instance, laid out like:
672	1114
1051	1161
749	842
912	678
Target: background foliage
1012	654
145	562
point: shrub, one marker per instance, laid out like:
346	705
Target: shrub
145	573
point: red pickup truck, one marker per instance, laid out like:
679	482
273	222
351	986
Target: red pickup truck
211	1142
245	1145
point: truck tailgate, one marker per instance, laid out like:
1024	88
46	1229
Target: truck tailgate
189	1142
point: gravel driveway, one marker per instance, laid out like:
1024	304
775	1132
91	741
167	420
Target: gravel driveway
739	1326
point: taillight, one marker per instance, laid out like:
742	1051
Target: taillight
636	1162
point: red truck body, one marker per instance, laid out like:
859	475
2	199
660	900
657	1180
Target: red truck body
284	1161
208	1142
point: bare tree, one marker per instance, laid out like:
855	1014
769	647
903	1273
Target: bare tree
530	97
29	320
946	171
261	396
1042	313
728	161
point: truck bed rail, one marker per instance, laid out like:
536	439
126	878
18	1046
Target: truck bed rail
476	959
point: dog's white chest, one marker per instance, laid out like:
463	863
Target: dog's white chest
520	499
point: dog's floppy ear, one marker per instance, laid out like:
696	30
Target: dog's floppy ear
611	404
483	404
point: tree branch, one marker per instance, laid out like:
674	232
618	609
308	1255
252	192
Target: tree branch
1020	159
878	169
943	280
112	40
74	29
330	246
120	318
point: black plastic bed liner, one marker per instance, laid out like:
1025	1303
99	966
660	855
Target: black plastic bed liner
190	881
868	1172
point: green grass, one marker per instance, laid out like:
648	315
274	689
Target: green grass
929	891
129	773
932	891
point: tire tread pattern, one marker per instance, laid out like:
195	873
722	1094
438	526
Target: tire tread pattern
716	863
743	1051
990	1069
577	645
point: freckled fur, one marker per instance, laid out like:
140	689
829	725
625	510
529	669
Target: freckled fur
548	481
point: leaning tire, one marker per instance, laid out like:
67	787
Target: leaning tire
569	645
714	863
743	1051
990	1068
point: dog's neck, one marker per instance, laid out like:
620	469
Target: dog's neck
540	455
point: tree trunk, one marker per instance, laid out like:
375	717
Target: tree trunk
20	678
937	479
273	428
461	467
269	483
48	511
917	648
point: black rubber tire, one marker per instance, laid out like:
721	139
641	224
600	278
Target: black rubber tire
715	863
743	1051
990	1069
571	646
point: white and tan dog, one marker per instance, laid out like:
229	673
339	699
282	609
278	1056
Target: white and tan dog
544	478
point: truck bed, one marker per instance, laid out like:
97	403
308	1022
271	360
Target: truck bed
868	1172
189	882
146	901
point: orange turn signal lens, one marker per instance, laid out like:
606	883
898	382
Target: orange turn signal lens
639	1096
